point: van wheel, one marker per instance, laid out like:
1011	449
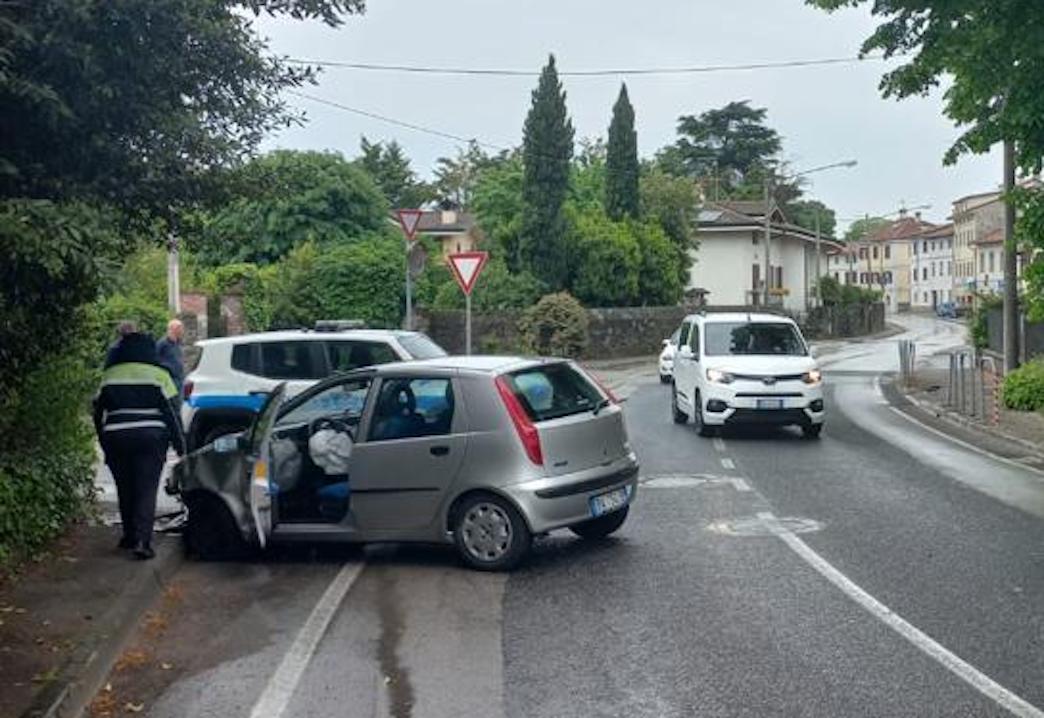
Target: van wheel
812	431
602	526
679	416
211	533
701	428
490	533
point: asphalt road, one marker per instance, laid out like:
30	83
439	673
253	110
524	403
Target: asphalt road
881	570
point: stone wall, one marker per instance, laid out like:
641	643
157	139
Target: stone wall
839	322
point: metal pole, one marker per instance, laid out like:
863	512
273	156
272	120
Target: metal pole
768	239
173	275
819	262
1011	271
409	291
467	323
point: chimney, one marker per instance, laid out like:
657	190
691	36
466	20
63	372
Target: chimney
918	216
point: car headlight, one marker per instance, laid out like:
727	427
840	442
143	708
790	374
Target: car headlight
812	377
720	377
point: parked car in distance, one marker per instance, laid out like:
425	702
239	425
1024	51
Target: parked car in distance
480	452
234	375
666	361
946	310
742	368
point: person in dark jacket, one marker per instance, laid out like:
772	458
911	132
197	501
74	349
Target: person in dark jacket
136	421
170	354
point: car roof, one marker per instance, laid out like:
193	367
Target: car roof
306	335
482	364
741	317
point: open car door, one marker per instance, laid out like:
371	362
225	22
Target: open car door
260	488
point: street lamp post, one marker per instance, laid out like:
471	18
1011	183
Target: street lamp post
768	219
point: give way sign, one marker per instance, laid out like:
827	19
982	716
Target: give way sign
466	267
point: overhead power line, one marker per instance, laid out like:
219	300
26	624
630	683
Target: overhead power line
633	71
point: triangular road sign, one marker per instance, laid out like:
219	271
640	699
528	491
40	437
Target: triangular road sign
466	267
409	220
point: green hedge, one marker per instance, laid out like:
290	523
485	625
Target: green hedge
1024	388
556	326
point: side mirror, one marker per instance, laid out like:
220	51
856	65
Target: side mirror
813	352
685	352
666	343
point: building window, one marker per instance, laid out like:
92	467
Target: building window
862	252
933	269
924	246
991	262
888	251
924	273
875	252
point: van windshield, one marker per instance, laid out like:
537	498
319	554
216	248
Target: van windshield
753	338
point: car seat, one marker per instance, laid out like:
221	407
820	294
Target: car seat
398	411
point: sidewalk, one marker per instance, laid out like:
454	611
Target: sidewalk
1018	435
64	618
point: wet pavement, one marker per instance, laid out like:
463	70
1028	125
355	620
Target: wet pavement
882	570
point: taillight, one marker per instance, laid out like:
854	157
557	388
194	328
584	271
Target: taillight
186	390
527	431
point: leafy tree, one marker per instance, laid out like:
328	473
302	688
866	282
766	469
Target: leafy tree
731	142
607	273
136	103
499	208
389	167
457	177
672	202
1029	233
291	197
659	281
498	289
803	214
865	227
587	183
621	190
547	148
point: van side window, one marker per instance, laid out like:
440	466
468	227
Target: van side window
346	356
694	340
290	360
683	338
243	358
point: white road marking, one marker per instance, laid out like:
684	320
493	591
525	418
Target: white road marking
283	683
740	484
719	444
953	663
683	481
727	463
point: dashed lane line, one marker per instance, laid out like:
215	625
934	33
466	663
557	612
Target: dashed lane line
281	686
925	643
727	463
719	444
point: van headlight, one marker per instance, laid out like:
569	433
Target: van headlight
812	377
719	377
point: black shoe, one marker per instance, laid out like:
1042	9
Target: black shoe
143	552
125	543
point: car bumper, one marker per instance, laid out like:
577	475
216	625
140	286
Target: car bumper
797	404
556	502
666	368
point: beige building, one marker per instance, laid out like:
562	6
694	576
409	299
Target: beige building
882	261
975	218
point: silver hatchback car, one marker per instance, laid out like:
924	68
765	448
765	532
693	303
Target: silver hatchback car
483	452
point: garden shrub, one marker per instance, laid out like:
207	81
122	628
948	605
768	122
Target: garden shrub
497	289
1024	388
978	328
557	325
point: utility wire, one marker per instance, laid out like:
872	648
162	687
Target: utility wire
504	72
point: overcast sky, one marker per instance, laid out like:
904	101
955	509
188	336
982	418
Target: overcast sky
825	114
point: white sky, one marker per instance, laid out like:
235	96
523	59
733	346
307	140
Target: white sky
825	114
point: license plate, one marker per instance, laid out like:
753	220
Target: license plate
770	403
612	501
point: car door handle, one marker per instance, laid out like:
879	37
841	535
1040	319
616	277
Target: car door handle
439	450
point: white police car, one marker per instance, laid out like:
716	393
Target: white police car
233	375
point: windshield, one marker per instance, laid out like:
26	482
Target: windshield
420	346
752	338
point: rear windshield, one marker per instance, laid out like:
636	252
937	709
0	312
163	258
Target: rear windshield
553	391
420	347
766	338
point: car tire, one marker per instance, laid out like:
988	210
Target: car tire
210	532
664	379
602	526
490	534
812	431
701	428
679	416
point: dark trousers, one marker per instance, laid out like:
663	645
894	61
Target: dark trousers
136	458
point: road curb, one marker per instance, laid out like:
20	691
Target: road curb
958	420
83	674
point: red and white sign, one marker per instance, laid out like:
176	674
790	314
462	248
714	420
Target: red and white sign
466	267
409	220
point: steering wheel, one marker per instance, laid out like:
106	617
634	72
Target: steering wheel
329	422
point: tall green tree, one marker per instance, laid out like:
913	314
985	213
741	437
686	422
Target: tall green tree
389	167
621	186
804	212
865	227
547	148
673	202
730	142
457	177
137	103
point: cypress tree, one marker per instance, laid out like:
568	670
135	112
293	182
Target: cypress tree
547	150
621	181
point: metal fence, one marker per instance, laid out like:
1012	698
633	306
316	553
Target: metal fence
974	384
